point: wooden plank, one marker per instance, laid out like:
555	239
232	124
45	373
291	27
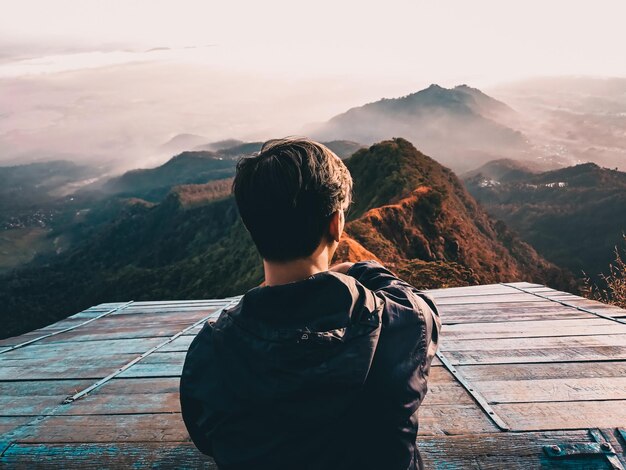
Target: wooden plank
537	315
471	292
468	289
110	455
133	386
542	342
159	364
443	389
149	319
167	311
112	404
524	285
78	367
540	289
9	423
509	308
61	325
454	419
511	451
520	298
179	344
515	372
562	389
521	356
36	397
97	310
160	303
80	350
133	327
129	396
563	415
168	427
511	329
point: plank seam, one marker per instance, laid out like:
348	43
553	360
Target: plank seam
4	446
582	309
482	402
128	365
69	328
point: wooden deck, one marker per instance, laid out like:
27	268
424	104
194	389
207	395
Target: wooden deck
521	369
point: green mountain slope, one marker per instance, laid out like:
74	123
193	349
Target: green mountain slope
573	216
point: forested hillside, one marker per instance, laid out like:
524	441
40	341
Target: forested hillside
409	212
573	216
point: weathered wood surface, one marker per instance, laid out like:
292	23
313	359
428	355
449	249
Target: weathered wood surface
109	455
541	365
504	451
532	372
555	389
32	398
489	452
564	414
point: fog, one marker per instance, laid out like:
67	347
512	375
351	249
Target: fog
110	82
123	113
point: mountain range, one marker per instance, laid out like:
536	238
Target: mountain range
409	212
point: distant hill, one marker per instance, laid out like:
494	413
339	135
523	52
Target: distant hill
461	127
181	142
344	148
409	212
503	170
186	168
573	216
236	148
219	145
196	167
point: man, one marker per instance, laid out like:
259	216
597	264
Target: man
320	368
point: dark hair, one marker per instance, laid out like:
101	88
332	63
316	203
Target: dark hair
287	193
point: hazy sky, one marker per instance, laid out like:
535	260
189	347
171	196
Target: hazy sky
479	39
245	69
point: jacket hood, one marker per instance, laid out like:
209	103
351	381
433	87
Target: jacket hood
294	356
302	375
283	341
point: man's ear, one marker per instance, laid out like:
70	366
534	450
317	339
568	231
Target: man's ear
337	223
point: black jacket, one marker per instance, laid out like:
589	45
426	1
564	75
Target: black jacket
323	373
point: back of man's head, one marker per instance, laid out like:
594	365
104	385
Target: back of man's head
287	194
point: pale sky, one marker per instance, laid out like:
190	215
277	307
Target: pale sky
75	71
483	40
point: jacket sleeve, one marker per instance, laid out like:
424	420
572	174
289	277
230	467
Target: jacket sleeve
192	387
408	341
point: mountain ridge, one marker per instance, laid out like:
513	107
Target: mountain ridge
460	127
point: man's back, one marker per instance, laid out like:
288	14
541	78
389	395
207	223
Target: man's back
326	372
